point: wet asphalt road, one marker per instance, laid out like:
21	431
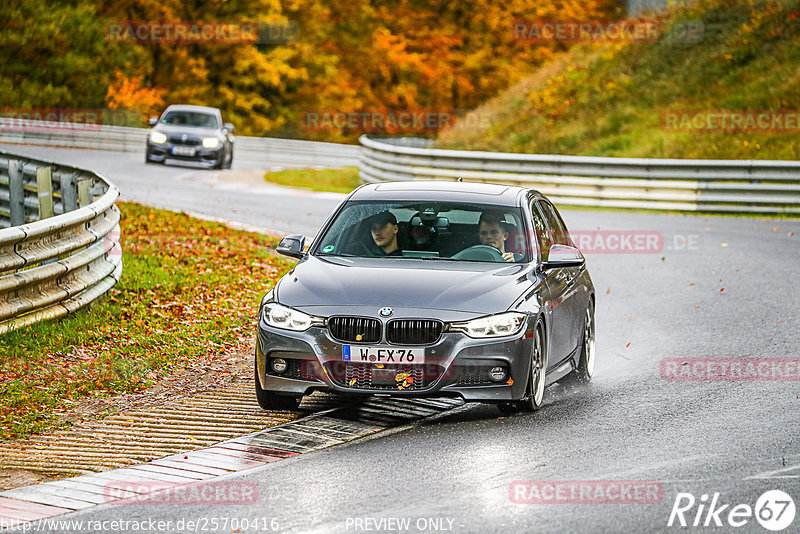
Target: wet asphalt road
720	287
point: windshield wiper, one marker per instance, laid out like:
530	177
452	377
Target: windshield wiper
339	255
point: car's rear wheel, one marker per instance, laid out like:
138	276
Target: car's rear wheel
534	392
272	401
582	374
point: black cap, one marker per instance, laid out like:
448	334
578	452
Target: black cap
382	218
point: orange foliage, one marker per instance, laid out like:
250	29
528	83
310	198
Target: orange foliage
128	93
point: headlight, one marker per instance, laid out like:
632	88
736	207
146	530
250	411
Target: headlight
283	317
157	137
502	324
210	142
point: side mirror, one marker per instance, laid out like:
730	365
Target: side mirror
228	126
153	121
292	246
563	256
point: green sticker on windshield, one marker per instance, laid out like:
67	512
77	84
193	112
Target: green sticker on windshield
327	248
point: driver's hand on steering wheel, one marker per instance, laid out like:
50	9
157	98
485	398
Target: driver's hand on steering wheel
508	256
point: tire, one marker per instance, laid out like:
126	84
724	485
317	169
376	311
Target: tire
219	164
537	377
582	374
272	401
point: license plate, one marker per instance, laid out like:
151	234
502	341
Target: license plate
395	355
183	151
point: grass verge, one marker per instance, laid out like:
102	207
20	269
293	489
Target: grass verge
342	180
189	293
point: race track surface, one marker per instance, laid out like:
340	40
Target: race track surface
716	288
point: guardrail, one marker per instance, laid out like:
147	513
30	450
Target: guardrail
125	139
59	239
751	186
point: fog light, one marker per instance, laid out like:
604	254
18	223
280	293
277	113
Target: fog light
279	365
497	374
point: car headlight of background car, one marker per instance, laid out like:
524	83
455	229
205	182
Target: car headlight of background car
502	324
157	137
287	318
210	142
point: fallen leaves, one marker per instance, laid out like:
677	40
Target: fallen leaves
188	297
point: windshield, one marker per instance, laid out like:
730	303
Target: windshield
190	118
424	230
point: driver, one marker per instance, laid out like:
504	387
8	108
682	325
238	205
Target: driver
383	227
492	233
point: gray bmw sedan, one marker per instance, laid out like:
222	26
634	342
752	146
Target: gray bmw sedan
430	289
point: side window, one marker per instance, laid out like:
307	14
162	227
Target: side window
540	229
557	228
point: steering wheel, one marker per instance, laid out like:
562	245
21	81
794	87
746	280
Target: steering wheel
479	253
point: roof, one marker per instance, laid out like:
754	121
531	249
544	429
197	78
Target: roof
499	194
187	107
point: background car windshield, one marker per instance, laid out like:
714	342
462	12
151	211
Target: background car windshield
427	230
190	118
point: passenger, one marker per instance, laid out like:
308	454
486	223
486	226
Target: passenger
384	233
421	237
492	233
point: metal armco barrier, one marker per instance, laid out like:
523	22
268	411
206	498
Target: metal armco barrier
59	239
124	139
751	186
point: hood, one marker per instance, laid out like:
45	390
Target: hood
169	129
480	288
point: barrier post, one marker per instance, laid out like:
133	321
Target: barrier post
16	190
69	192
44	186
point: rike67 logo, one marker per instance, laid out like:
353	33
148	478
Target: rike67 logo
774	510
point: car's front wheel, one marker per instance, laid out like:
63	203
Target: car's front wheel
534	392
582	374
220	162
272	401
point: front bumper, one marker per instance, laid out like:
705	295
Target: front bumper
456	365
163	151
